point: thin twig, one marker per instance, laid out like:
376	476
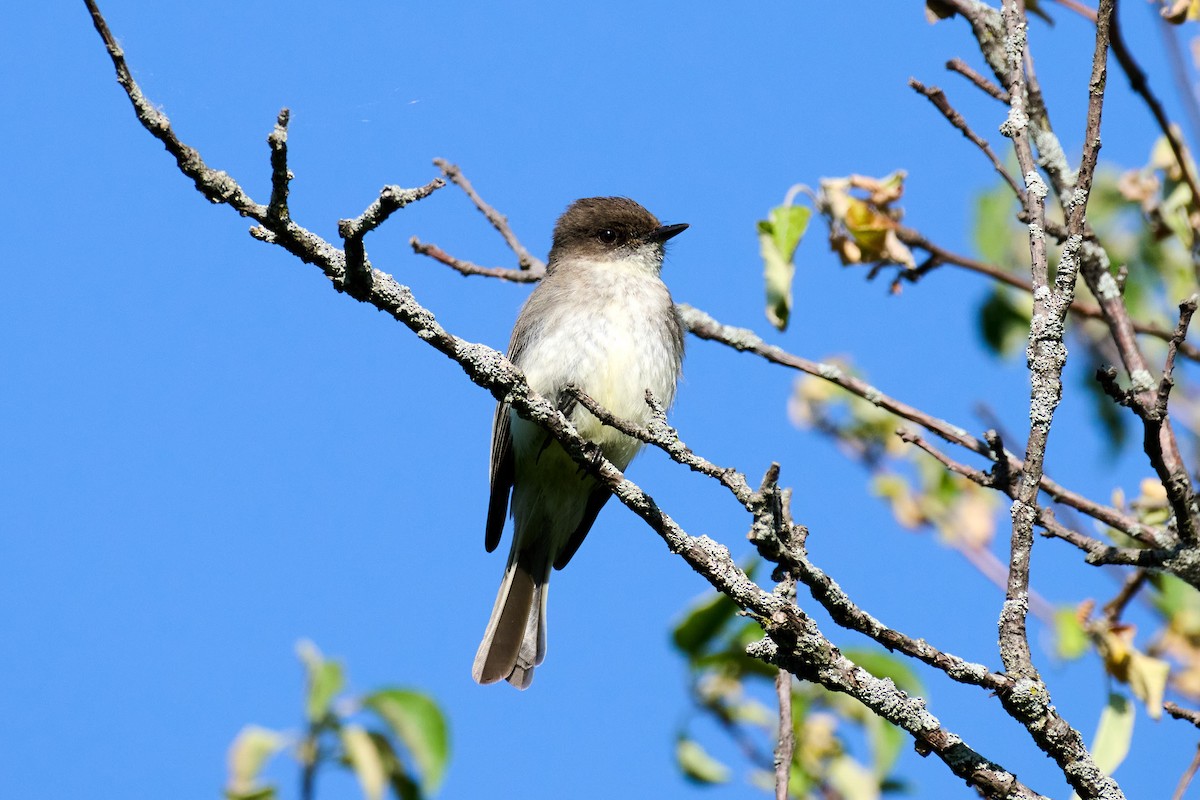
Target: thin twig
941	255
524	259
705	326
1179	712
789	554
1079	8
1185	779
467	268
281	176
961	67
936	96
785	744
1184	89
391	199
1047	355
1187	310
1133	584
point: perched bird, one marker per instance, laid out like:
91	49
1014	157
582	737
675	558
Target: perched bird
603	320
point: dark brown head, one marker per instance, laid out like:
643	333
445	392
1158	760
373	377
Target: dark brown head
610	228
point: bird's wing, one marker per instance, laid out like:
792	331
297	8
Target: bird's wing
595	502
502	472
503	466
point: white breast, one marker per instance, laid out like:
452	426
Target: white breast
613	336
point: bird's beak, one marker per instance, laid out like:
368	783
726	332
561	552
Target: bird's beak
664	232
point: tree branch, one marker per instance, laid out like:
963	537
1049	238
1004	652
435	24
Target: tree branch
794	642
467	268
706	327
938	98
1140	85
498	220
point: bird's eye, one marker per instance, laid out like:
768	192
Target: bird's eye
607	236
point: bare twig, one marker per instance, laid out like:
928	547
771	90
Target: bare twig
941	255
786	742
988	28
498	220
936	96
1150	405
1046	352
705	326
1185	779
1046	356
391	199
961	67
467	268
1179	712
1187	310
781	543
1184	89
281	176
1078	8
1133	584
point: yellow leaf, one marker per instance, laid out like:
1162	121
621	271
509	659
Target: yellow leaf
1153	491
251	749
364	757
1146	676
1148	680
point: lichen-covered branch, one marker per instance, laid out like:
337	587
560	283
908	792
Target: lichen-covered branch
987	26
704	326
794	642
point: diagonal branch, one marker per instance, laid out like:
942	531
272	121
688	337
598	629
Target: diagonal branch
391	199
936	96
498	220
706	327
940	255
467	268
794	642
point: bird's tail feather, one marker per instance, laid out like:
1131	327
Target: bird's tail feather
515	640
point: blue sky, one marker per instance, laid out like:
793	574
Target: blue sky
208	455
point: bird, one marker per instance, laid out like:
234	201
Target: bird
601	320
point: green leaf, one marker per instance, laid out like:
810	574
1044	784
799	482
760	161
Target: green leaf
364	757
265	793
250	751
1071	639
702	623
885	739
1113	734
416	720
788	224
402	785
1003	326
325	680
697	765
993	232
778	238
1179	603
886	665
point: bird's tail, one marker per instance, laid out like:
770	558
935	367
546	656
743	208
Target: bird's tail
515	640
